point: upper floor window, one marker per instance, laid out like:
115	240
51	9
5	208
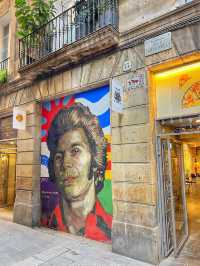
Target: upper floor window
182	2
62	5
4	47
5	39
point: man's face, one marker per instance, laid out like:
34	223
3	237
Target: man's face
72	164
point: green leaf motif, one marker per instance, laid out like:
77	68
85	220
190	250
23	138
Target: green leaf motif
32	16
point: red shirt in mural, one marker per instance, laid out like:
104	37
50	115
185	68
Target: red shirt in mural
98	223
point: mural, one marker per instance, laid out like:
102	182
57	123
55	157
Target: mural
76	189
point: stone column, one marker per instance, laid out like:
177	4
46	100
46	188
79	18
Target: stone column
27	202
135	229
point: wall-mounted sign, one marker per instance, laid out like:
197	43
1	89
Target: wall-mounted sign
178	91
19	118
137	81
127	66
158	44
117	96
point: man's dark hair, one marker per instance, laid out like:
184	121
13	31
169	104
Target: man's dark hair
74	117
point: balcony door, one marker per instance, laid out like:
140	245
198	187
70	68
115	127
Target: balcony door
173	212
4	44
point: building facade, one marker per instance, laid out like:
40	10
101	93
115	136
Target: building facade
72	72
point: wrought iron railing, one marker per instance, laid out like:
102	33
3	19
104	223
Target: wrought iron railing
4	64
4	71
75	23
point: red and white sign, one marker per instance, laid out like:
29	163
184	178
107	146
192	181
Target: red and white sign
137	81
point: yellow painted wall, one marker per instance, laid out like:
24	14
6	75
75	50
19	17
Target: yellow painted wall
188	162
11	175
11	179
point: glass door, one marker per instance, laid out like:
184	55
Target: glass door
179	210
3	179
172	201
165	206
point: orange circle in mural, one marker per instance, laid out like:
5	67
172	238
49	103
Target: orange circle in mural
19	118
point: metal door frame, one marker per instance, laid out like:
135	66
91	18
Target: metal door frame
8	152
177	248
161	201
161	205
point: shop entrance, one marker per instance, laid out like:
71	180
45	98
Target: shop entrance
178	154
8	146
7	178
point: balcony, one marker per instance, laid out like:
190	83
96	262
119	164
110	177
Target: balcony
3	71
86	29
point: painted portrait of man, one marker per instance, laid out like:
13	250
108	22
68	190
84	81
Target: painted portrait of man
76	165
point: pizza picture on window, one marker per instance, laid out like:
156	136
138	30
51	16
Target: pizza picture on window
191	97
183	80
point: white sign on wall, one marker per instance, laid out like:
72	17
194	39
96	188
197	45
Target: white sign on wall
158	44
19	118
117	96
137	81
127	65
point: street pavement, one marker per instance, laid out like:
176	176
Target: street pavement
24	246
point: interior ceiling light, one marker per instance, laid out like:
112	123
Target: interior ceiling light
177	70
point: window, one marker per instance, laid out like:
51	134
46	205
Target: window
62	5
182	2
5	38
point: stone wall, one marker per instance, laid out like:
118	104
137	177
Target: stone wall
4	7
133	15
27	202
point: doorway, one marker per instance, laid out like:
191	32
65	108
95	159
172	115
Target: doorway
178	154
7	178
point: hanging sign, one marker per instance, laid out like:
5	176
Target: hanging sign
19	118
137	81
117	96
